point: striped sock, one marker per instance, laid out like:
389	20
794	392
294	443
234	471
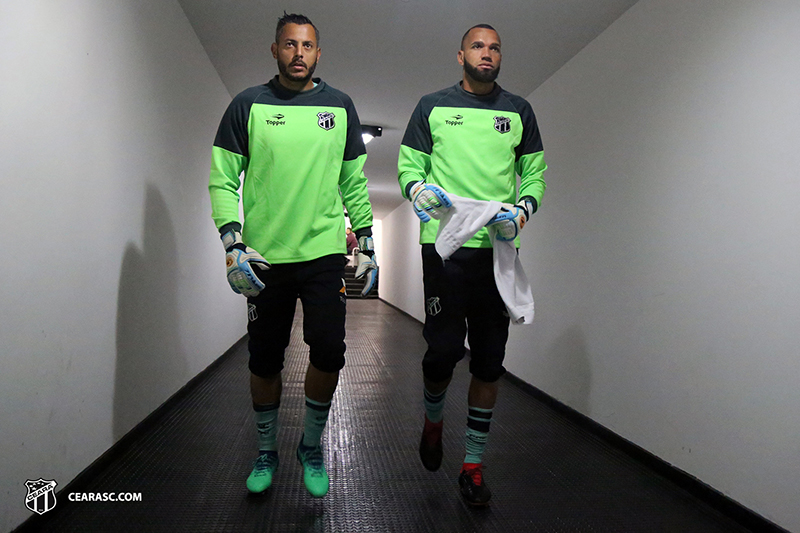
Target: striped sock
477	433
316	418
267	425
434	405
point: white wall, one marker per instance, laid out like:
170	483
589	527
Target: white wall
113	292
665	261
401	262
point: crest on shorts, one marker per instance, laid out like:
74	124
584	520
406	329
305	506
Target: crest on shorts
502	124
326	120
433	306
41	497
252	314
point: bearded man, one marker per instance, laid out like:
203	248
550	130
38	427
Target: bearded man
298	142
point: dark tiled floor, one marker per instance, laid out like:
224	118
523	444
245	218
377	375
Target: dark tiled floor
546	473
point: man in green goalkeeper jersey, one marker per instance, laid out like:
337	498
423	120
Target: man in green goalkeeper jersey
298	142
470	140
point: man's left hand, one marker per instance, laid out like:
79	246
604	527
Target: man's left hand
509	221
367	265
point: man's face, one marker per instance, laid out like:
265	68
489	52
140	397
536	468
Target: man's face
297	52
481	55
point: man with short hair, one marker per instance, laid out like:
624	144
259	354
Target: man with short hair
298	142
470	140
352	240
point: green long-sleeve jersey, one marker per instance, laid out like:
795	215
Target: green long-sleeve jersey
473	146
302	155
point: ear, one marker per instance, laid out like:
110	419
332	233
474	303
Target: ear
319	53
274	49
461	57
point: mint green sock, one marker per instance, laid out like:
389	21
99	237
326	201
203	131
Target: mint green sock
434	405
267	425
478	422
316	418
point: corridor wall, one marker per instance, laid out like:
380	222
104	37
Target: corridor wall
113	293
665	261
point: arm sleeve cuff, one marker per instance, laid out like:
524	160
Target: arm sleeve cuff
363	232
235	226
532	200
408	188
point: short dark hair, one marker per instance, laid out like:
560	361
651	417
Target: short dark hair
464	38
294	18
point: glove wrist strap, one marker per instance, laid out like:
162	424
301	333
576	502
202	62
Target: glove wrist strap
230	239
414	188
366	246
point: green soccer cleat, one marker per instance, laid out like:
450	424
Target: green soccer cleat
260	478
314	474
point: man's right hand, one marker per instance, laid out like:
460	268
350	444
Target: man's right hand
429	201
239	261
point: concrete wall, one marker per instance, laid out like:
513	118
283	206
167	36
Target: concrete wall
665	261
113	292
401	262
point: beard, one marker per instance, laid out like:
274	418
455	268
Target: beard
284	69
482	76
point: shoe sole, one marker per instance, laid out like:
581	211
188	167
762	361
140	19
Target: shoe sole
479	505
251	491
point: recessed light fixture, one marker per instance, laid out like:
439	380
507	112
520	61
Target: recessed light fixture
370	132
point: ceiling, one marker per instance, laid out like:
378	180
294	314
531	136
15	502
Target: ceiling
386	54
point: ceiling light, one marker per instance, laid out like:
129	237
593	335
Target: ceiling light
370	132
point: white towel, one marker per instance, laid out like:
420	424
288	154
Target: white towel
465	219
512	283
461	222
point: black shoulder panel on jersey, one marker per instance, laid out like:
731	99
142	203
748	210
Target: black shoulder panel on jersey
232	132
354	147
322	95
495	100
531	141
418	131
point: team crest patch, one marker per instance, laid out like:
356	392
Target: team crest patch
41	496
502	124
433	306
326	120
252	314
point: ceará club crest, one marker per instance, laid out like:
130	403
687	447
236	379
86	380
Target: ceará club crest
502	124
326	120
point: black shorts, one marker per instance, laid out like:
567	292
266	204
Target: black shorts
461	292
319	284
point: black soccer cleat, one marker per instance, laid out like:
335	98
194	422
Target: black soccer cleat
473	488
430	446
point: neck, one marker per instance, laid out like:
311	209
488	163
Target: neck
476	87
296	86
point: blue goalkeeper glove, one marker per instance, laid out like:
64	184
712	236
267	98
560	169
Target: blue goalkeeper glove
510	220
428	201
367	265
239	261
